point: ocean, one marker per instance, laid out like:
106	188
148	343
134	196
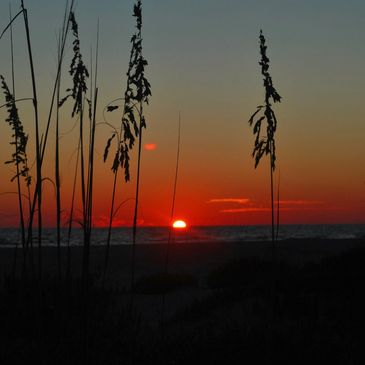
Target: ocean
153	235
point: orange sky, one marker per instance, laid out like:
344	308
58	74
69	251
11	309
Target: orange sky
206	67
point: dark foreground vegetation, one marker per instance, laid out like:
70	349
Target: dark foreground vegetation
249	310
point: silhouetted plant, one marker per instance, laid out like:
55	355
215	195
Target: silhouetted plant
78	71
90	178
80	74
167	255
38	190
57	177
19	157
265	143
71	216
137	93
61	43
40	144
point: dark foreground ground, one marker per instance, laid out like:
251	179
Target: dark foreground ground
225	303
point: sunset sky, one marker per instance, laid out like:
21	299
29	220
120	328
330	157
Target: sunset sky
203	62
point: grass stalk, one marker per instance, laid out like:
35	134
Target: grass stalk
111	216
68	262
137	92
89	204
265	145
167	256
68	10
20	202
57	175
57	144
37	142
83	196
272	204
135	216
112	211
121	160
278	210
58	73
142	93
19	157
79	73
40	146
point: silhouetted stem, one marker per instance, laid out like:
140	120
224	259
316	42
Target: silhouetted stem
136	204
85	261
57	178
90	183
266	145
68	268
43	147
278	210
58	75
21	213
38	146
272	206
111	216
170	226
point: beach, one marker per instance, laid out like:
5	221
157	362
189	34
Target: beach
194	261
218	302
196	258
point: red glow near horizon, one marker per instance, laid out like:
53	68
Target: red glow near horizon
179	224
150	146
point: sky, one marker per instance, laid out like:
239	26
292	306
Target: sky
203	62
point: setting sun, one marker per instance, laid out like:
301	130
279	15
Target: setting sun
179	224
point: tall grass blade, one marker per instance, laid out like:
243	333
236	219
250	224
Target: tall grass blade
278	209
10	23
137	93
50	113
20	202
143	91
71	215
57	172
167	256
80	74
37	143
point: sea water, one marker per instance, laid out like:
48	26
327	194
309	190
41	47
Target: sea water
153	235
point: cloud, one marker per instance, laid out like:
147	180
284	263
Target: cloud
150	146
245	210
250	206
282	209
299	202
229	200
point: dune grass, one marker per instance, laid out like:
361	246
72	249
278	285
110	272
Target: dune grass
19	156
265	143
137	93
133	121
318	313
